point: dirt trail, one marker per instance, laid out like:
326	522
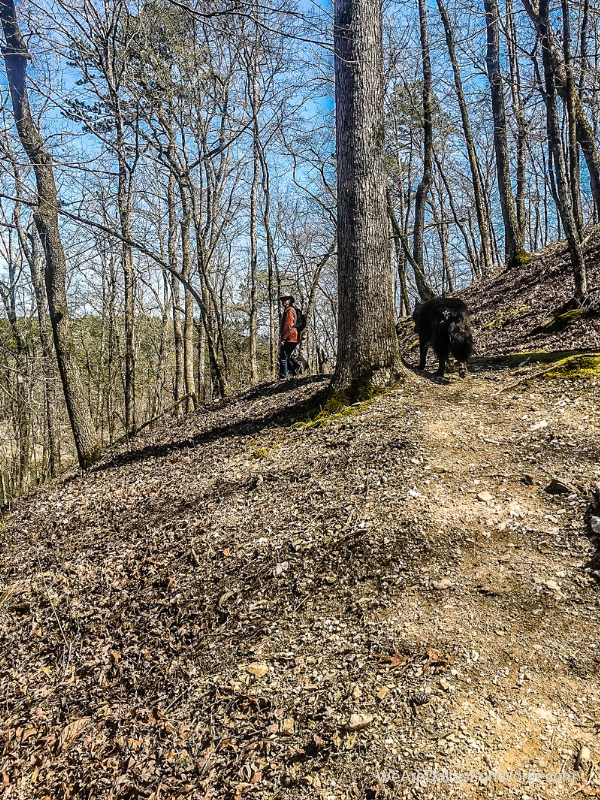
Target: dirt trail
388	605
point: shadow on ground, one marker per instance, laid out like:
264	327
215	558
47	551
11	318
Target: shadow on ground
247	426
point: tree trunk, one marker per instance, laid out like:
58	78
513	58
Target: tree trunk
585	132
555	148
253	220
519	113
368	353
179	384
423	188
466	124
46	221
513	244
271	266
572	120
188	306
48	360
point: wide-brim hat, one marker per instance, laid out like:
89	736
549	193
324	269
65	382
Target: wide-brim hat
285	297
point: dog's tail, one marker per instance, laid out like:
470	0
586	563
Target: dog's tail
461	338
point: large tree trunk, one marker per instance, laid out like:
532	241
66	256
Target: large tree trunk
368	352
466	124
555	147
513	242
423	189
46	221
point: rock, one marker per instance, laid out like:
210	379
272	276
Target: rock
287	727
281	568
356	693
583	756
257	668
545	713
595	525
558	487
445	583
445	684
485	497
538	426
419	699
552	585
359	721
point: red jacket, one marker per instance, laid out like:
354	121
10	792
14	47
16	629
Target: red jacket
287	332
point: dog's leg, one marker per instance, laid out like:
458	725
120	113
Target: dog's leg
423	348
462	369
442	358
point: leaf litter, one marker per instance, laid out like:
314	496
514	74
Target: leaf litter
232	606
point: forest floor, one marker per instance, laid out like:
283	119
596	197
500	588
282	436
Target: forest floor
387	604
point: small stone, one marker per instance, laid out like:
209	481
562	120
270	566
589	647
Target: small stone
558	487
287	727
583	756
538	426
281	568
359	721
445	583
445	684
356	693
552	585
485	497
257	668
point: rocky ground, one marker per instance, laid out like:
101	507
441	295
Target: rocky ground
389	604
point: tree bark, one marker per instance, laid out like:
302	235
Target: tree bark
423	189
46	221
555	148
467	133
518	107
573	146
513	242
178	383
585	132
368	353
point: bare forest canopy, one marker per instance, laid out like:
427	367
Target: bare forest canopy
194	171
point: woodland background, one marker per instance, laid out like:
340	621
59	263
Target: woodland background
202	138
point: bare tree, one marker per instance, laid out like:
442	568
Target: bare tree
16	56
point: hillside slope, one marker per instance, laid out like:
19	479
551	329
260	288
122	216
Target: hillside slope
514	310
237	607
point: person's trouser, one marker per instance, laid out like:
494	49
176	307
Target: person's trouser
286	362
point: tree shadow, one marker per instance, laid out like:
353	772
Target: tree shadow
248	426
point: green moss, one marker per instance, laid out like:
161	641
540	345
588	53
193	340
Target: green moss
583	366
520	259
559	322
260	452
504	317
533	357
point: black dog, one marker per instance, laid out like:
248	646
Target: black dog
442	323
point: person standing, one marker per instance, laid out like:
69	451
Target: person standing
288	337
